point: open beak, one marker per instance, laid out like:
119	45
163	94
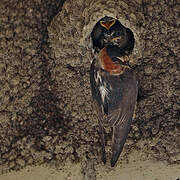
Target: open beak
107	24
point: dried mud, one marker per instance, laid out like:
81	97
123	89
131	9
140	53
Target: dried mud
46	116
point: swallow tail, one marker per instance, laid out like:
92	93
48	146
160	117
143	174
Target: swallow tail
118	140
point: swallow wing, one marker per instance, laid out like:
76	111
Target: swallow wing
122	98
121	117
121	108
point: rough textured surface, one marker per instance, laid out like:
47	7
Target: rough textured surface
45	104
29	118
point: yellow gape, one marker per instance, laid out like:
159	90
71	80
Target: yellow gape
107	24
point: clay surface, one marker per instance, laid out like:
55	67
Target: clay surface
46	114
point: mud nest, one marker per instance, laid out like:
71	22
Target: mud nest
45	104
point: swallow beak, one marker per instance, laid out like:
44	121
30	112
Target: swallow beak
108	24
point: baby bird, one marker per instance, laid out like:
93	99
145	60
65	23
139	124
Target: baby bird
109	31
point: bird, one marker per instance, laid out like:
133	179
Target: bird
109	31
114	89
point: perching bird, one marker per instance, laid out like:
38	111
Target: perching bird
109	31
114	91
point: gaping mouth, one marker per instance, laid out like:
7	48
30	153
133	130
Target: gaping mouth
108	24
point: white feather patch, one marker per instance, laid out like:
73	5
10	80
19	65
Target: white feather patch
104	92
98	78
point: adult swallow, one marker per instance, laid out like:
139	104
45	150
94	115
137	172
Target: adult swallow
114	91
109	31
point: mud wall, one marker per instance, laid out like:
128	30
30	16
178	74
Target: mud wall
46	114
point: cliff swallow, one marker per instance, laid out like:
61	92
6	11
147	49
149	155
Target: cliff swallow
114	91
109	31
